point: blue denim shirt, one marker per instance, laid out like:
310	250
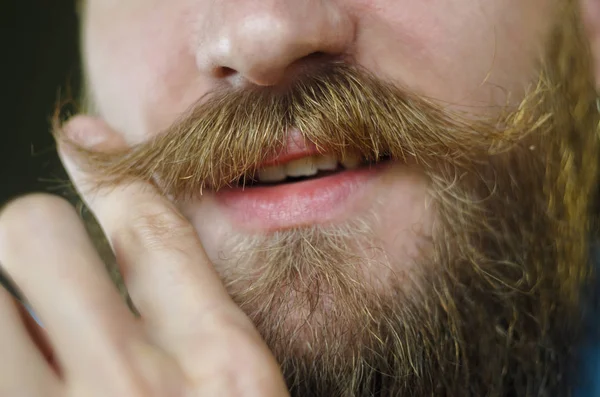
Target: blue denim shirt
590	356
590	350
590	386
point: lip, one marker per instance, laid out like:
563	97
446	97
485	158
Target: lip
296	147
315	201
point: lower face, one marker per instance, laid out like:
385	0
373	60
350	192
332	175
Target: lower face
309	217
141	89
327	200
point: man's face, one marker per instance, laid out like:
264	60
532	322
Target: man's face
149	61
326	239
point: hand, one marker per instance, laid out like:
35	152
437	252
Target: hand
191	339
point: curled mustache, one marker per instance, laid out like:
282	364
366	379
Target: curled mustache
340	108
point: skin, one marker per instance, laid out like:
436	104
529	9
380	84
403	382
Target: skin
204	45
147	62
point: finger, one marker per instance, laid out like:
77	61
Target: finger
167	271
45	249
23	368
29	318
168	274
39	336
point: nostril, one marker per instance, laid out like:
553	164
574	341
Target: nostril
271	75
311	62
224	72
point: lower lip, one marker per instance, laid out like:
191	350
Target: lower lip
286	206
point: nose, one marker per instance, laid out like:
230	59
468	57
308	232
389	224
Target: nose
259	41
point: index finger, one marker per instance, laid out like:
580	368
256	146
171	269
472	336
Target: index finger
167	272
174	286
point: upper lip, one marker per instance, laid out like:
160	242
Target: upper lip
296	147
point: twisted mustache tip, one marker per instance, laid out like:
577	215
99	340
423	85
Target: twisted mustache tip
342	110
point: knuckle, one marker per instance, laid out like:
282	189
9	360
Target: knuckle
158	227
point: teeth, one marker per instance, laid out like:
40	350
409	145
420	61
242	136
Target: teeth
326	163
351	162
301	167
307	166
272	174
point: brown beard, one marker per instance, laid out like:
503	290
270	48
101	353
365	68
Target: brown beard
495	307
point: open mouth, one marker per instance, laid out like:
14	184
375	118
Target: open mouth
302	186
306	168
302	189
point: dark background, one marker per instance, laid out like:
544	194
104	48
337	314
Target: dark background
39	59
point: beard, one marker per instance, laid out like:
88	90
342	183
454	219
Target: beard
492	303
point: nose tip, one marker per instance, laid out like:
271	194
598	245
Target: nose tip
264	45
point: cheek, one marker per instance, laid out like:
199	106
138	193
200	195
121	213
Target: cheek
403	215
141	67
462	52
141	63
216	234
